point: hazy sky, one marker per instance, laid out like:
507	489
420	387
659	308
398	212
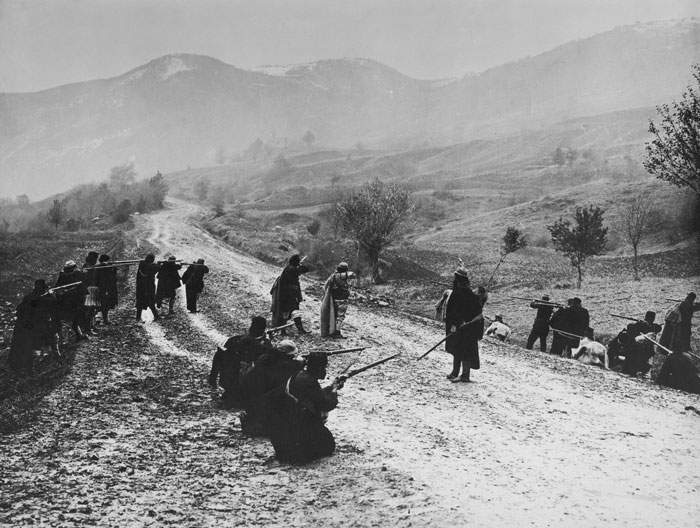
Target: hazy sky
44	43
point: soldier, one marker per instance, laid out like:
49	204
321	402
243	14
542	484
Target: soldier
36	327
168	283
570	321
298	430
270	371
637	350
146	286
464	325
71	302
676	332
286	294
107	283
540	328
235	355
193	279
335	301
679	372
92	298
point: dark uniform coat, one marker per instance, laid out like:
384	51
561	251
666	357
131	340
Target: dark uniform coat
106	281
145	284
637	354
464	305
168	280
286	293
298	433
36	327
70	302
193	278
679	372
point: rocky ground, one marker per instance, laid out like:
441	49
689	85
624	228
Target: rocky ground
134	436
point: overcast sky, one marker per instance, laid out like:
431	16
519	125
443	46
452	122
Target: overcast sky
44	43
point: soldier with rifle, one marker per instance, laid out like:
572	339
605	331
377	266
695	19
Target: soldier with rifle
146	286
286	294
297	429
193	279
36	327
540	327
71	300
168	283
636	350
569	325
677	327
106	281
231	356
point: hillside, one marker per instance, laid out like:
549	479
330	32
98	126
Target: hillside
188	110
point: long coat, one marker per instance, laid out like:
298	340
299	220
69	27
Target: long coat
463	306
145	284
36	326
679	372
286	292
71	301
193	278
168	280
106	281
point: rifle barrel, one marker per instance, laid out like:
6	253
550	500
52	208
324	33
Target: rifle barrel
355	372
626	317
342	351
568	334
674	300
477	318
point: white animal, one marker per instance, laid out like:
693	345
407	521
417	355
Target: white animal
591	353
499	330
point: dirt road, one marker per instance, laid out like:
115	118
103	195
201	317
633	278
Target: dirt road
534	440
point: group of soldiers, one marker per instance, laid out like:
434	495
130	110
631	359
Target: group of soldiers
80	294
633	347
278	389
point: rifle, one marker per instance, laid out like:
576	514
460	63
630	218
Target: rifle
60	288
477	318
674	300
667	350
567	334
548	303
628	318
336	352
357	371
276	328
115	264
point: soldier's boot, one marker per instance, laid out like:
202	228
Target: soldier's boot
300	326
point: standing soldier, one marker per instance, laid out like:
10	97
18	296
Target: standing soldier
146	286
286	294
70	303
193	279
168	283
540	328
92	298
335	301
676	332
107	283
464	325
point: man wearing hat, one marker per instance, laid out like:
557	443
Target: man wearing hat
464	325
269	372
168	283
297	430
334	305
36	327
146	286
107	283
234	356
540	328
564	323
286	294
193	279
636	349
70	301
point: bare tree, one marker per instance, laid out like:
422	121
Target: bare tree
372	216
674	153
55	214
513	240
636	218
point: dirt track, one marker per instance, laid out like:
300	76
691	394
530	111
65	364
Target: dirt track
535	440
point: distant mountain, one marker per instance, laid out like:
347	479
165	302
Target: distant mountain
181	110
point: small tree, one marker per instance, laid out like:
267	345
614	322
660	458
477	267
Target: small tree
674	153
309	138
636	218
587	237
513	240
372	216
559	156
55	214
201	189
